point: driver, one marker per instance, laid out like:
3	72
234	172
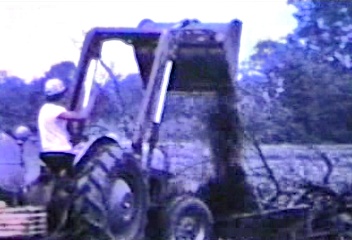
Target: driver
56	148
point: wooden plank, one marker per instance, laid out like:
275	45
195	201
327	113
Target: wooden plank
23	221
22	215
24	208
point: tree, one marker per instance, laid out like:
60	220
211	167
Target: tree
64	70
19	103
263	116
303	94
325	28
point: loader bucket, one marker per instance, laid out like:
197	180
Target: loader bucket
206	57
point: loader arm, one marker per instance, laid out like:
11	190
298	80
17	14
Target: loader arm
203	57
157	85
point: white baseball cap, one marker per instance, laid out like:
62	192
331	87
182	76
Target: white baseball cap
54	86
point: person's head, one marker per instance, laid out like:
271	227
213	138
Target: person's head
54	89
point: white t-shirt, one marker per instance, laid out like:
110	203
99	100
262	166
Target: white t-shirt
53	132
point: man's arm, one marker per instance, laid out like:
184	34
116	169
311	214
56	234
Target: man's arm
83	114
73	116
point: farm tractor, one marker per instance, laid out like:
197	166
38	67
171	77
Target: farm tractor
116	192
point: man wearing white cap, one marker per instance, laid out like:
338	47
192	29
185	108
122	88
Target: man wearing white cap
56	148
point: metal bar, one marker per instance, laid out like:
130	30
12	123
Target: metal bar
159	58
158	67
88	85
161	101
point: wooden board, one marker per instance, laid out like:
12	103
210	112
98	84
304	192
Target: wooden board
23	221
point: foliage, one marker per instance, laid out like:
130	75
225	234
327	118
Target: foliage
63	70
325	28
119	101
262	114
20	102
299	84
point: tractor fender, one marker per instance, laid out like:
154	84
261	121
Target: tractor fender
159	163
84	150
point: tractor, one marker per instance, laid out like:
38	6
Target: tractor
198	61
117	191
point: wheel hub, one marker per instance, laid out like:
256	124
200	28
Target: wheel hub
121	205
190	228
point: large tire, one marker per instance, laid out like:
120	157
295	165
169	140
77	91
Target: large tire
186	218
113	198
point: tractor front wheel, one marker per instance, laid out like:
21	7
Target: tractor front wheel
187	217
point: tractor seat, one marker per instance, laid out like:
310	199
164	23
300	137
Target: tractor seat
58	162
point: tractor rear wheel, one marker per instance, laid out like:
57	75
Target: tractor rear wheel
187	217
112	199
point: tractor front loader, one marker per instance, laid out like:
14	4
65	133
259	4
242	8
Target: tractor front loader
195	60
118	193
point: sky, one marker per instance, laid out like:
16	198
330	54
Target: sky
38	34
